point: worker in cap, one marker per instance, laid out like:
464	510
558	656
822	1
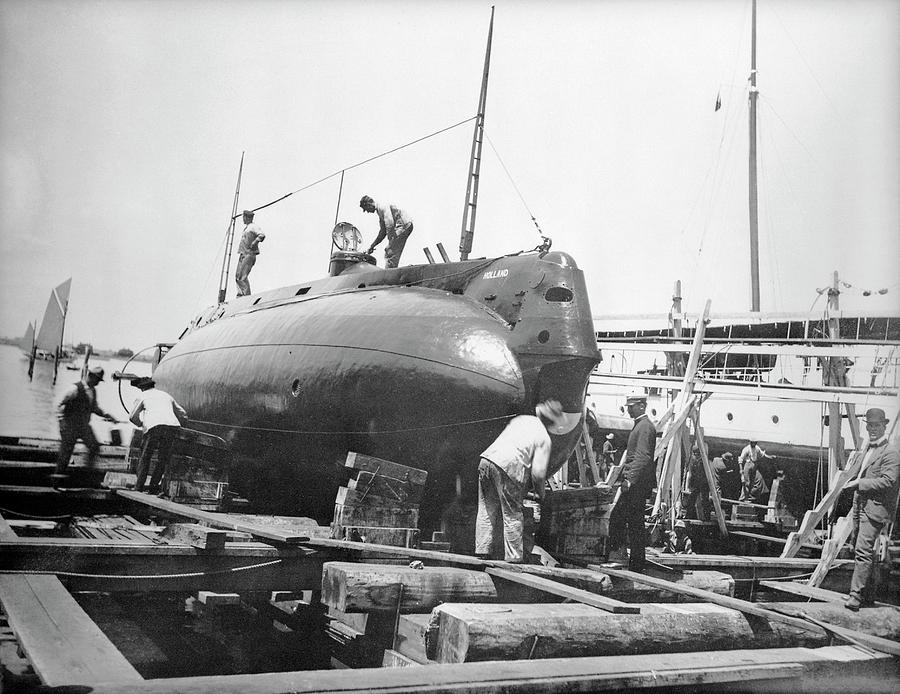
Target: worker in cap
748	460
393	224
626	523
876	488
517	460
727	476
74	414
248	250
160	417
678	541
607	455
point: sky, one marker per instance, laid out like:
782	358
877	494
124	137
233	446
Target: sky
123	123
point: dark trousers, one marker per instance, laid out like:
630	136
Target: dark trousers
626	523
866	530
69	433
160	439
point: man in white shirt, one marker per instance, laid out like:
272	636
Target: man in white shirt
160	417
393	223
750	456
247	252
516	460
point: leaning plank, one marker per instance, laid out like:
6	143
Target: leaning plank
851	667
877	643
386	468
64	645
560	590
407	552
352	587
218	520
7	534
807	591
470	632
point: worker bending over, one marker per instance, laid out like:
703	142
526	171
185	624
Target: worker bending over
393	223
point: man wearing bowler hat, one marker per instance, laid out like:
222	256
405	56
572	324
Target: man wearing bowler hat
247	252
874	504
637	481
74	413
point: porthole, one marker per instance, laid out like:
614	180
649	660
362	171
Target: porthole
729	416
295	388
559	295
653	411
543	336
774	419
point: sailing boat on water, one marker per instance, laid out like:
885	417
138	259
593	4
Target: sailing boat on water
48	345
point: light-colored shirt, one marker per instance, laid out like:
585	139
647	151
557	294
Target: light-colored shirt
156	407
522	447
751	453
250	240
390	218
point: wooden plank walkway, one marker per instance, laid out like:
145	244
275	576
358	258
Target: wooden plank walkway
550	586
856	669
64	645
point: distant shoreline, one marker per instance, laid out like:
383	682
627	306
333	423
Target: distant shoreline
99	353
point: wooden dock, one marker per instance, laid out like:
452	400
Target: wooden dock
402	618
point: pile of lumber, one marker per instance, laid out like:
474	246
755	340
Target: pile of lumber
381	504
575	522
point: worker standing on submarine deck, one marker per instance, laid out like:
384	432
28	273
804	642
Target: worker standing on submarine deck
517	459
393	223
247	252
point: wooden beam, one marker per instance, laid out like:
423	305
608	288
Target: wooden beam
386	468
406	552
64	645
874	642
352	587
807	591
7	534
217	520
710	475
563	591
771	669
195	535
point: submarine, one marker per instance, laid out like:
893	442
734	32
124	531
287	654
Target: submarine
422	365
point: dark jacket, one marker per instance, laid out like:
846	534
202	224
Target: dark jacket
877	492
640	467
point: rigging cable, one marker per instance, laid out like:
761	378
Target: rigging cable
365	161
516	188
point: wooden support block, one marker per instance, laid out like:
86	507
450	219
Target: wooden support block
398	537
199	536
211	599
473	632
368	484
413	636
64	645
386	468
352	587
119	480
394	659
717	582
384	517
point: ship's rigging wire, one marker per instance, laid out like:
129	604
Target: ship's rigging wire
515	187
365	161
192	574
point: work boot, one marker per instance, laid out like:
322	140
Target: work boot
853	603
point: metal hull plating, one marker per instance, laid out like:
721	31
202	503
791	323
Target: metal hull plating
423	375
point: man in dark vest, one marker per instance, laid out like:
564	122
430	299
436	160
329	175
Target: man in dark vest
638	479
74	413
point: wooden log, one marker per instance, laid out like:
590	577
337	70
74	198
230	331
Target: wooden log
386	468
211	599
749	608
352	587
476	632
199	536
628	590
64	645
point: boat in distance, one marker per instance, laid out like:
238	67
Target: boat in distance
422	365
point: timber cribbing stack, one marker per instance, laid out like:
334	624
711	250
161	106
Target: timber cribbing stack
448	622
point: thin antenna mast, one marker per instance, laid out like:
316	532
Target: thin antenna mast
229	240
468	221
754	194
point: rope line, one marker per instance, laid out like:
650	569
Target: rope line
351	433
7	511
365	161
193	574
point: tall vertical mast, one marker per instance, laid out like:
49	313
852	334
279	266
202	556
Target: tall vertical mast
468	221
754	196
229	237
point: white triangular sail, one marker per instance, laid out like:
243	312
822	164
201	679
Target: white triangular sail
26	342
50	335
